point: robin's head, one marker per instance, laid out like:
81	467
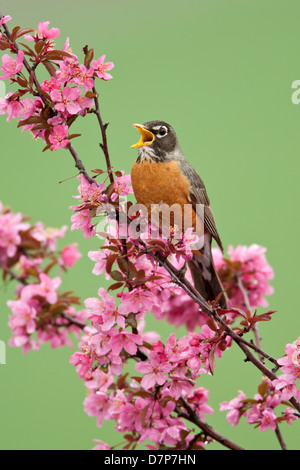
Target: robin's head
158	140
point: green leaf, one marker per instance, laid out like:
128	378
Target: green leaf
116	276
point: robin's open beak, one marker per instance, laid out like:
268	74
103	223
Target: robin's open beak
146	136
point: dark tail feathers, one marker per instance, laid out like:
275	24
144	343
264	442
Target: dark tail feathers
207	282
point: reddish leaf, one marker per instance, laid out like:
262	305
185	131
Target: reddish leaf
115	286
31	120
73	136
14	33
21	82
39	46
50	68
30	51
57	55
116	276
4	45
88	58
99	172
21	32
263	388
110	261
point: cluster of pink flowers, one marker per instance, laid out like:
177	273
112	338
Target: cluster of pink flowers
260	410
250	267
11	227
290	366
28	253
68	94
96	200
152	402
145	407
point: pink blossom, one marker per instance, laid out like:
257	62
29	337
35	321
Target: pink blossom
48	236
177	351
82	220
11	107
249	264
101	68
155	371
4	20
84	77
101	445
48	287
138	300
50	85
290	366
58	137
235	408
198	400
130	416
100	257
103	311
85	103
83	364
290	415
128	341
10	227
23	316
12	66
97	404
64	74
28	108
66	100
267	418
121	187
47	33
70	255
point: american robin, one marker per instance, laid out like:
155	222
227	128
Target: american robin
162	175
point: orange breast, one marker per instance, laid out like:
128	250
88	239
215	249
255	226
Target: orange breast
155	183
161	183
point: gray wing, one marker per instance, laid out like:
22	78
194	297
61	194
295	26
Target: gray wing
198	195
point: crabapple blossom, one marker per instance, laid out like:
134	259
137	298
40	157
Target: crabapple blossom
70	255
5	20
66	100
10	66
58	137
101	68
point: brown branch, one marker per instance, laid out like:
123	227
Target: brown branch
14	276
193	417
280	438
72	321
103	128
79	165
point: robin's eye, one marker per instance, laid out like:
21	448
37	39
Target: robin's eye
162	131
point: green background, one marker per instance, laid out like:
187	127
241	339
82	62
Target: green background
220	72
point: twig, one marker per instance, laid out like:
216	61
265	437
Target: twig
14	276
79	165
248	307
193	417
280	438
103	128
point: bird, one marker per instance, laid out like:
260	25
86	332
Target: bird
161	175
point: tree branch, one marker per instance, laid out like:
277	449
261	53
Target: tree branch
103	128
193	417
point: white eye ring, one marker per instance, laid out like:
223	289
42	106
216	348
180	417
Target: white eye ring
163	129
